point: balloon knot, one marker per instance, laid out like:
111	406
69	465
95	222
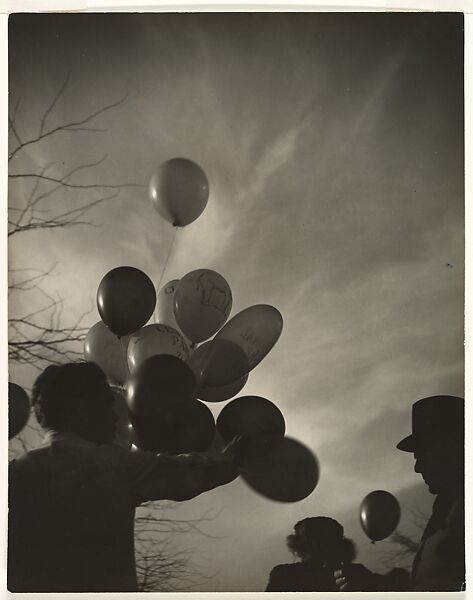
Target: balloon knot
373	541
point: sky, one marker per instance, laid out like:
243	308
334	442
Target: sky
333	146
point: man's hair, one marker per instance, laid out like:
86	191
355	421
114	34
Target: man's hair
60	389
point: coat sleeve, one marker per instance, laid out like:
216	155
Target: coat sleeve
182	477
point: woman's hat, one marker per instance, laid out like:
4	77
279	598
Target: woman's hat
434	420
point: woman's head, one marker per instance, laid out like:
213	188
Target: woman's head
76	398
321	539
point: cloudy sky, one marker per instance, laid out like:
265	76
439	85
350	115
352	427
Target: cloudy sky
333	148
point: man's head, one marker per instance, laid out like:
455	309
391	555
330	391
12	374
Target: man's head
437	441
75	398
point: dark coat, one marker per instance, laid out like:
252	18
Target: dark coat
439	565
305	577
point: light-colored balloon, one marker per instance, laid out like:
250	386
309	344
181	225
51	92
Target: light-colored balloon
202	303
179	191
153	340
165	304
242	344
165	307
108	351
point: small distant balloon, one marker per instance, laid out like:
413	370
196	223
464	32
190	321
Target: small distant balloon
126	299
278	468
250	416
179	191
202	303
380	513
159	383
18	409
108	351
155	339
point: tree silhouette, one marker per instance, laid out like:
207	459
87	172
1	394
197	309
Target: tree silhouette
43	335
406	542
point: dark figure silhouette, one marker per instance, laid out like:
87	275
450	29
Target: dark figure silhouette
437	442
72	501
321	547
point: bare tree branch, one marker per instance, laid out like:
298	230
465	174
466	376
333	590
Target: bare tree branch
66	127
41	335
53	103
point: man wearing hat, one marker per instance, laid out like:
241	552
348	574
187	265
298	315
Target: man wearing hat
437	442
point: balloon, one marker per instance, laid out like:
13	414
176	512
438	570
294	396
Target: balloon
188	428
124	430
105	349
250	416
126	299
198	360
179	191
202	303
159	383
153	340
224	392
18	409
379	514
278	468
219	363
250	334
165	304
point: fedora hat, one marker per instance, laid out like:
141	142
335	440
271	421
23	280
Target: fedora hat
435	419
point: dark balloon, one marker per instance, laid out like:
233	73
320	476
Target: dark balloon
179	191
278	468
223	392
188	428
220	363
18	409
160	382
126	299
250	416
242	343
380	513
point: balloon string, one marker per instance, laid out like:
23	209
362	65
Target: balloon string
167	257
166	262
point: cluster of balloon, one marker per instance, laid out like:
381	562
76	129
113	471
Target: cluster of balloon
18	409
163	371
380	513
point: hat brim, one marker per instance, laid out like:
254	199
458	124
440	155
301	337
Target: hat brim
407	444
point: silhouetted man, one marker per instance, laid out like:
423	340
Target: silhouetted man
437	442
72	501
